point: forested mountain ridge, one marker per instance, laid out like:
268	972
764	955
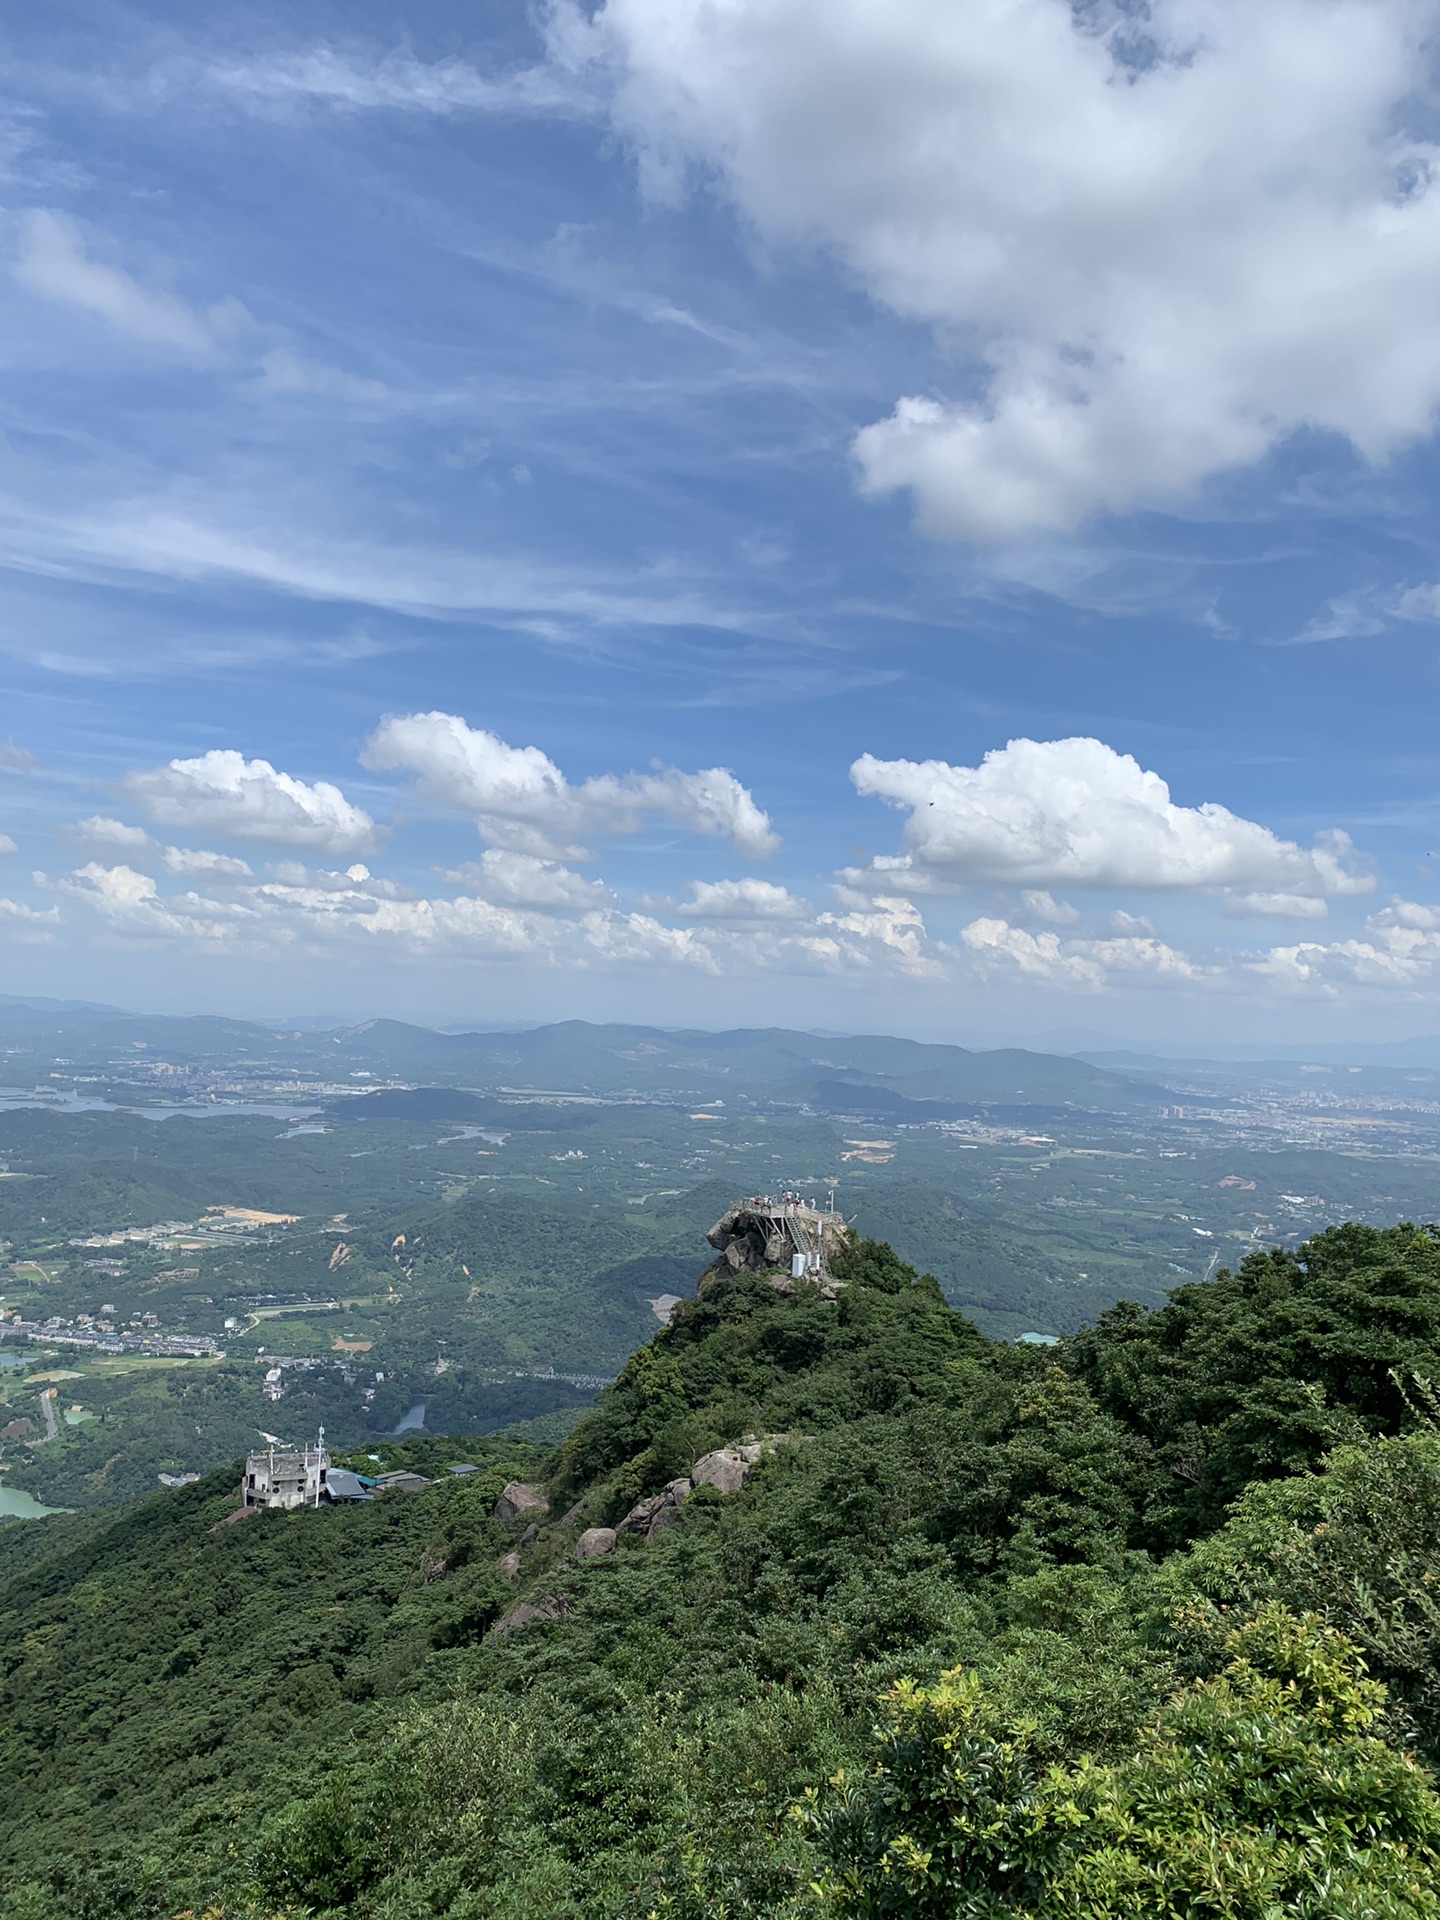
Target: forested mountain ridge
580	1057
1136	1625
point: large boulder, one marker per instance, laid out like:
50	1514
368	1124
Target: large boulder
595	1541
660	1510
529	1613
519	1500
725	1469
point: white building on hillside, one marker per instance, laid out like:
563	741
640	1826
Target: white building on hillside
286	1476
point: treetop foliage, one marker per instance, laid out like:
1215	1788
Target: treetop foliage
1148	1623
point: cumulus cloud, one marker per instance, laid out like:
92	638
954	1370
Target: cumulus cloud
53	263
223	792
889	928
102	831
521	880
19	915
1089	964
741	900
7	845
537	912
1074	813
1276	906
523	803
200	861
131	902
1043	905
1159	239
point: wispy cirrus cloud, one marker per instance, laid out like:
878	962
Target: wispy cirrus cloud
132	542
356	81
55	263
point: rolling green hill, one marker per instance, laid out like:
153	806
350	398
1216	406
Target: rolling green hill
1093	1691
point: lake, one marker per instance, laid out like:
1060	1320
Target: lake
19	1505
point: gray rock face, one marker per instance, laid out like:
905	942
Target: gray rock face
666	1517
725	1469
518	1499
659	1511
510	1566
528	1613
595	1541
754	1238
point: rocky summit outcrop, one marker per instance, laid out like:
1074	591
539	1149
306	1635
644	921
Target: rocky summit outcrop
519	1501
763	1235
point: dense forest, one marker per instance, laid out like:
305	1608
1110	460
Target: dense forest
1143	1624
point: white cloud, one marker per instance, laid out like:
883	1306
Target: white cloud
1090	964
1044	906
521	880
1158	240
223	792
285	372
1410	914
201	862
889	928
1039	956
1075	813
231	539
15	759
523	803
1417	603
7	845
131	902
1276	906
636	937
24	920
102	831
54	264
741	900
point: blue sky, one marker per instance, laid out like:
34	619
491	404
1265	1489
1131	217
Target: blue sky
512	514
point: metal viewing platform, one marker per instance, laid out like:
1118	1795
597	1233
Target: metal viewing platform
784	1236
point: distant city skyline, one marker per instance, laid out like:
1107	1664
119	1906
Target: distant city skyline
827	517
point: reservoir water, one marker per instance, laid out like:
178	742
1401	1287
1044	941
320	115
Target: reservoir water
19	1505
413	1420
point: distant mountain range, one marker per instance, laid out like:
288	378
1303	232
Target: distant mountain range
865	1074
